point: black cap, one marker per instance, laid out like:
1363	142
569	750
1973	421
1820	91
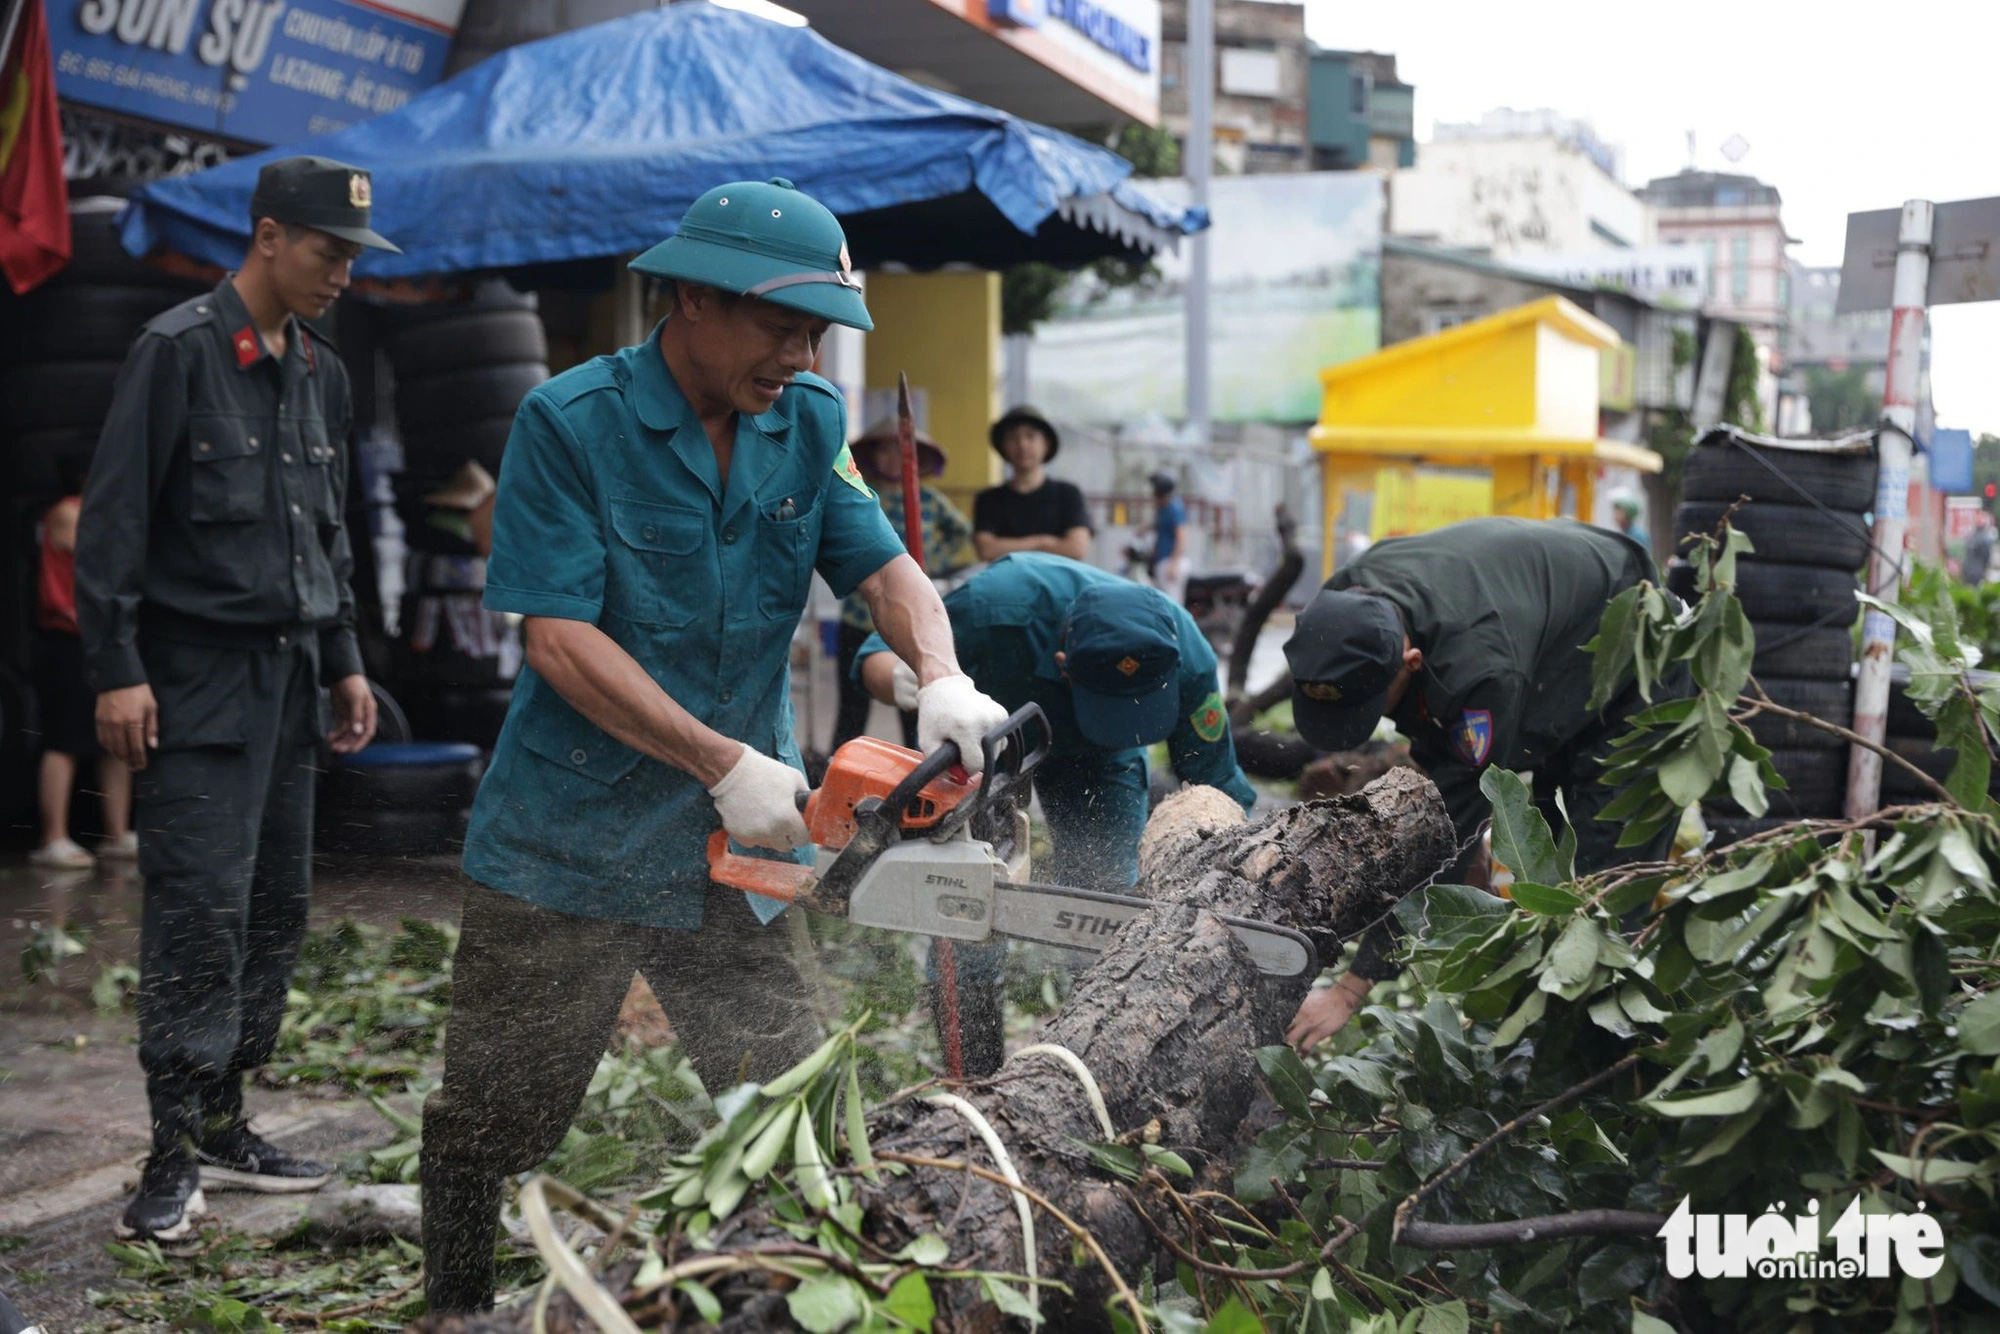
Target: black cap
1023	417
1344	654
319	193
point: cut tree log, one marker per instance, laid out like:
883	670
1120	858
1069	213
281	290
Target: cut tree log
1167	1020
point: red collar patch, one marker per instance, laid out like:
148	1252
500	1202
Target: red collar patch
247	346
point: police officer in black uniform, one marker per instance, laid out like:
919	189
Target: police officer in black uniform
1470	639
212	576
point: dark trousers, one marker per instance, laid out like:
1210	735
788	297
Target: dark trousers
850	720
1096	807
224	811
535	996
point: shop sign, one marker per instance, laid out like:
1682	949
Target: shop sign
259	71
1672	273
1098	21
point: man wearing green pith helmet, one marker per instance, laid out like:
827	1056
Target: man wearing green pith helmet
660	516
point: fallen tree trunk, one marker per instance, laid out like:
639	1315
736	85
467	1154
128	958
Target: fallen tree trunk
1167	1021
1291	561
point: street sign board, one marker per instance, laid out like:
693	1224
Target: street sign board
1965	256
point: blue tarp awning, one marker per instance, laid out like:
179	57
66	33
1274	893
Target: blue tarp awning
593	143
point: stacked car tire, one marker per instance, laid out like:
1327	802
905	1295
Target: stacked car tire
461	370
60	349
1806	516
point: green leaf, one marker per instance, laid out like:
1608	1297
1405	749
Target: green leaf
1279	1152
1649	1324
1727	1101
1119	1160
1956	845
1978	1260
857	1119
1613	648
1521	839
1449	1318
1291	1083
927	1250
1574	957
824	1303
1547	900
1167	1159
1011	1301
1746	785
1528	1012
1686	776
1370	1077
1931	1171
1234	1318
1444	915
910	1301
704	1301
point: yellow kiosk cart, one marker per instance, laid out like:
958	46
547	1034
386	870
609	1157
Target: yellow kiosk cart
1496	416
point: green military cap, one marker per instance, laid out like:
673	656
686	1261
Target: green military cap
765	239
1122	652
319	193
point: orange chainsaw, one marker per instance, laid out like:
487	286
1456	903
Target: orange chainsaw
908	842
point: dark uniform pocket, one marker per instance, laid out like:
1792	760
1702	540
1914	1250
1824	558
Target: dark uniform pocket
204	694
786	545
317	456
654	575
226	455
556	732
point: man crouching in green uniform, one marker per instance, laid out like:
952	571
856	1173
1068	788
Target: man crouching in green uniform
1470	639
660	515
1115	667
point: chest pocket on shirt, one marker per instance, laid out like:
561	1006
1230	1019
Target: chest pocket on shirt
654	578
317	456
786	546
226	456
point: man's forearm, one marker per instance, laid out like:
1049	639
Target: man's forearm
911	619
606	684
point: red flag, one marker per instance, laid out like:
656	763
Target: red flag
34	202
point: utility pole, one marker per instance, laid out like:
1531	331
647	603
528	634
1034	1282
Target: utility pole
1894	446
1200	158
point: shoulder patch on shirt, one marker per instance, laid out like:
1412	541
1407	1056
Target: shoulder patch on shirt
189	314
1472	738
844	468
1209	719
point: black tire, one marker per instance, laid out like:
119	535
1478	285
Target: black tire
494	294
482	338
81	323
430	404
1831	701
1906	719
447	784
37	461
1803	652
437	452
96	257
1818	785
472	716
418	532
1794	533
58	395
1722	473
392	726
1775	591
419	834
1730	829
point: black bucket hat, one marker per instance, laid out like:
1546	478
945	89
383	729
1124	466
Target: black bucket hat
1023	416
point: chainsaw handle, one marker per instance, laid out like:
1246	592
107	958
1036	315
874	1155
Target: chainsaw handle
993	746
783	881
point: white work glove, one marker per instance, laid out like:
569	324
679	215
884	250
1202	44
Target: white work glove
758	802
903	679
952	709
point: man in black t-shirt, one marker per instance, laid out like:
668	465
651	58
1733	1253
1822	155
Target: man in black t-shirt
1033	511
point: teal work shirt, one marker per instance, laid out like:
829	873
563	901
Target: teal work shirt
1007	624
611	512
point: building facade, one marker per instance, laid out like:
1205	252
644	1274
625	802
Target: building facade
1359	114
1514	184
1263	74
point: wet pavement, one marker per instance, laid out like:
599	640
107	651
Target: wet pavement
72	1100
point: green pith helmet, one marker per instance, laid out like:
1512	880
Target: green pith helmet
765	239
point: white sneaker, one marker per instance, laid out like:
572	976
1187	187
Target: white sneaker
63	854
124	848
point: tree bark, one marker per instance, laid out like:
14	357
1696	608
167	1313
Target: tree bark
1167	1020
1290	562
